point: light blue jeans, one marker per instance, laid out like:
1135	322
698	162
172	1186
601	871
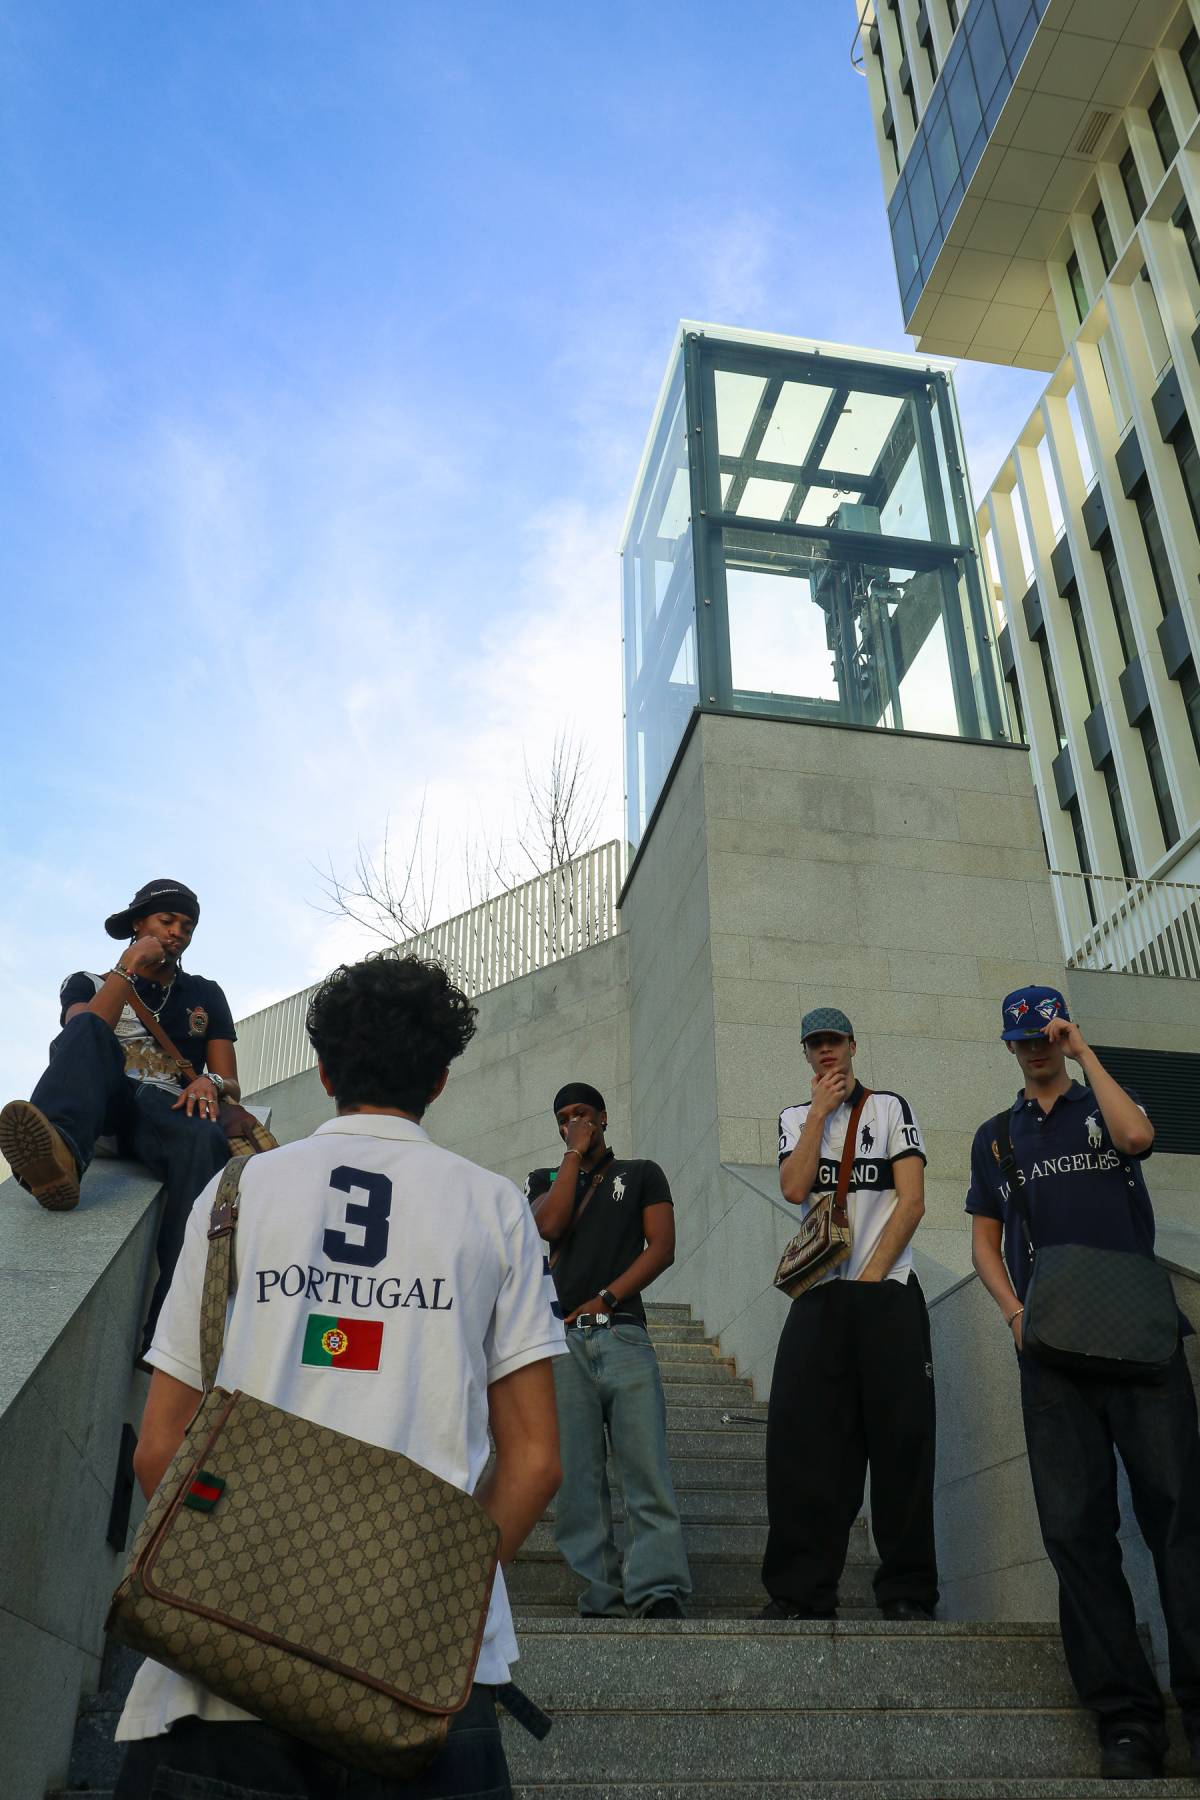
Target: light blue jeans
610	1378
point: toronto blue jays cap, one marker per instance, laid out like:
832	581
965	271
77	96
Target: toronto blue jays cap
825	1018
1027	1011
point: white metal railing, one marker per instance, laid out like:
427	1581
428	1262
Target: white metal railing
1128	925
514	933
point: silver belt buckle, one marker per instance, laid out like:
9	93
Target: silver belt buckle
593	1319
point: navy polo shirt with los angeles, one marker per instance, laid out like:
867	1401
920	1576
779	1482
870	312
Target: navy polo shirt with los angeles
1080	1189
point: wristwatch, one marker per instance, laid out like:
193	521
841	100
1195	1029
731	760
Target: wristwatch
610	1299
218	1082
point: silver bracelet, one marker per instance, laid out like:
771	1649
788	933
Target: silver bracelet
118	970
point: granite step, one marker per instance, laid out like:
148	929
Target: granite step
713	1371
686	1745
705	1412
732	1506
1074	1787
540	1577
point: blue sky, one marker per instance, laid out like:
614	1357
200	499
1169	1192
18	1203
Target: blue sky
331	334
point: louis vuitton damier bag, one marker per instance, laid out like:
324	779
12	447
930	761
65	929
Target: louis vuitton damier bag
823	1241
336	1590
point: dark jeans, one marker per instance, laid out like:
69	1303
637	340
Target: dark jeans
1073	1427
248	1761
852	1389
86	1094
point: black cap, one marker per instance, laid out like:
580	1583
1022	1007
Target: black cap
578	1093
157	896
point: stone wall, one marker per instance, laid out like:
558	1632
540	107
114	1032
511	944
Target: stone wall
566	1022
72	1287
899	877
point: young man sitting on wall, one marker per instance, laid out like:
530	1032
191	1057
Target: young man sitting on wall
108	1076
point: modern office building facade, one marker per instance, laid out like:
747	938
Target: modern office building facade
1041	162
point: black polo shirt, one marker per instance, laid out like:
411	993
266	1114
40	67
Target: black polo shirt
1080	1189
610	1235
194	1012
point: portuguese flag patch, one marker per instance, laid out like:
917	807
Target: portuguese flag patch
331	1343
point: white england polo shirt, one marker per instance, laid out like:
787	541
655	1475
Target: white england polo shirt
887	1132
383	1283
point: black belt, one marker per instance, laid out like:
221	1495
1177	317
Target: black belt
602	1320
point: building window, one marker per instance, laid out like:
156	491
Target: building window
952	15
1116	806
1189	687
889	132
1189	56
1116	593
1104	238
1082	644
1082	856
1056	715
1156	549
1164	805
1182	219
1015	690
1163	129
1078	291
1184	446
1131	181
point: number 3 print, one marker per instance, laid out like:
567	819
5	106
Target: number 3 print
370	1215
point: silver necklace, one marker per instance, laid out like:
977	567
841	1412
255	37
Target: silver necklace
156	1012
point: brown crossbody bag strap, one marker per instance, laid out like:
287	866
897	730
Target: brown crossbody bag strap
841	1216
582	1207
186	1071
240	1126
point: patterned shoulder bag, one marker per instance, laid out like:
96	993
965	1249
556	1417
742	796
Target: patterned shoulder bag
823	1241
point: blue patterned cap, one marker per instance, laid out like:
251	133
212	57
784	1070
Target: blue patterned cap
825	1018
1027	1011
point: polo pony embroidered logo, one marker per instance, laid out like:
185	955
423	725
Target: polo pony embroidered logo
1095	1135
204	1492
866	1140
619	1188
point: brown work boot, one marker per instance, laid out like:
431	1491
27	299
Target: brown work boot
38	1156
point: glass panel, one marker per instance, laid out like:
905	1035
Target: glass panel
1160	786
794	421
861	432
921	199
1163	129
1078	291
943	157
904	245
659	613
1104	239
764	499
987	50
1131	181
963	101
1189	55
737	402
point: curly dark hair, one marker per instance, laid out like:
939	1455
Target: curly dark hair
386	1028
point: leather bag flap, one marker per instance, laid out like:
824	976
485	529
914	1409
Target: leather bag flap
349	1555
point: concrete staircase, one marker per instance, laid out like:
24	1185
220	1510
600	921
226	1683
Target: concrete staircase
723	1703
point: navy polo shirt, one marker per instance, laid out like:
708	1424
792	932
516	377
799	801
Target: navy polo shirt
1079	1188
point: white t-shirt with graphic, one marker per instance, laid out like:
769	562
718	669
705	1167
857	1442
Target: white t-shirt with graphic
887	1132
383	1284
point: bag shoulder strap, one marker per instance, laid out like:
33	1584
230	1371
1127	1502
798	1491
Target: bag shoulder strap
841	1217
581	1207
220	1269
1001	1130
147	1018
